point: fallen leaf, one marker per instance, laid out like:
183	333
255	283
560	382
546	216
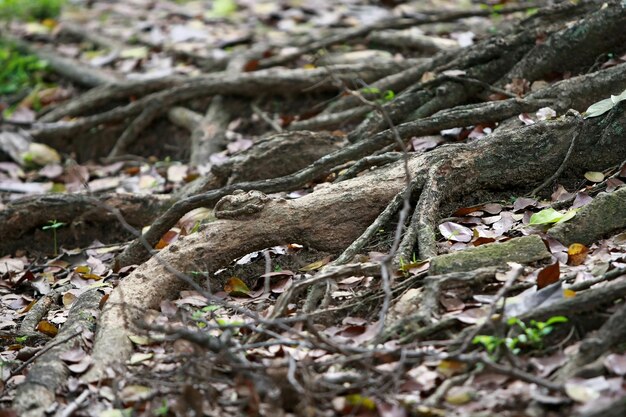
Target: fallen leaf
456	232
47	328
548	275
80	367
73	355
315	265
169	237
585	390
550	216
576	254
140	340
236	287
134	393
594	176
137	358
41	155
616	363
460	395
522	202
450	367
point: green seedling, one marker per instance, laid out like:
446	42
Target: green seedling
163	410
531	335
380	96
54	225
30	9
404	265
19	71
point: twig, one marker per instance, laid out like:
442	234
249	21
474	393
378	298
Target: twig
387	263
516	373
73	406
572	144
266	118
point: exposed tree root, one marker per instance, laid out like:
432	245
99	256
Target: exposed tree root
342	217
85	217
35	395
331	218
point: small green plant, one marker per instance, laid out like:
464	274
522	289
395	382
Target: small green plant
163	409
21	339
54	225
531	335
222	9
381	96
19	71
30	9
199	315
196	227
404	265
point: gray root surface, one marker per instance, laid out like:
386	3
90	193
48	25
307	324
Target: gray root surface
86	218
331	218
38	392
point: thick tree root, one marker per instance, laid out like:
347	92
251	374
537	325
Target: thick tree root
85	218
49	372
331	218
345	208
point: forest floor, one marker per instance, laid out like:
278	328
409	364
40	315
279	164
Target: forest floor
502	296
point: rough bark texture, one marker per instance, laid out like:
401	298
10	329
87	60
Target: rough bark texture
38	392
86	218
565	37
331	218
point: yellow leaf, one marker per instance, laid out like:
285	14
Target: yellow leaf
139	52
169	237
28	307
459	395
40	154
567	293
358	400
83	269
576	254
448	367
49	23
91	276
315	265
235	286
47	328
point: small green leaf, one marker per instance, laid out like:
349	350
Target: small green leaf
370	90
222	8
389	95
556	319
545	216
550	216
53	224
139	52
569	214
